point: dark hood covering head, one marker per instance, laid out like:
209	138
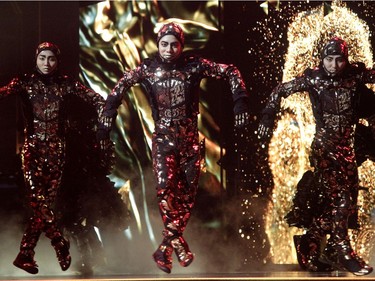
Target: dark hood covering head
48	46
171	29
55	50
335	46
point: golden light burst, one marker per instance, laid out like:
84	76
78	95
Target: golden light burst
290	145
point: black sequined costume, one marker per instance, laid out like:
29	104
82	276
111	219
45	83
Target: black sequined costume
87	199
328	206
173	94
43	100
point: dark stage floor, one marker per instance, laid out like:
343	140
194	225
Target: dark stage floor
131	260
276	272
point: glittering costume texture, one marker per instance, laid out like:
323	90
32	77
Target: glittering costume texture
123	45
176	165
304	28
173	93
43	153
334	105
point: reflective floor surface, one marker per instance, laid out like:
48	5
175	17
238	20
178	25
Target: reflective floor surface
275	272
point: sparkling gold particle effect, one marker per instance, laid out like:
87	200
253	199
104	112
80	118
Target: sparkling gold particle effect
290	145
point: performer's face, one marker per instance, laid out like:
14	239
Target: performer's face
334	64
169	47
46	62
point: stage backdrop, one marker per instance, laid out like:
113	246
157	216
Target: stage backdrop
243	196
270	42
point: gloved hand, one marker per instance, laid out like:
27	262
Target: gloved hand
265	127
241	112
241	120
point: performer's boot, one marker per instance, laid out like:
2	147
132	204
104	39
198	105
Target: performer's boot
175	210
308	253
181	248
362	263
25	260
339	252
342	257
163	256
61	247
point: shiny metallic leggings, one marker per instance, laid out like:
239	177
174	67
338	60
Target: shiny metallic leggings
336	168
175	152
42	166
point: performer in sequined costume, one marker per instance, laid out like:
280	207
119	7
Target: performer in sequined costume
333	91
172	83
43	94
88	202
